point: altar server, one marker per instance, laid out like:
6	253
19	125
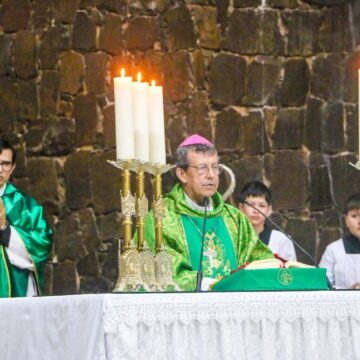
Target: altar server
258	195
342	257
25	237
229	238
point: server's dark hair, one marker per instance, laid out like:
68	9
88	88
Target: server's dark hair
352	203
256	188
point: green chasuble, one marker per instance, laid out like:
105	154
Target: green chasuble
230	240
26	216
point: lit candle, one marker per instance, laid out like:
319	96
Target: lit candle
124	117
140	113
156	124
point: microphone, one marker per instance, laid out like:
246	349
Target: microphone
199	274
243	201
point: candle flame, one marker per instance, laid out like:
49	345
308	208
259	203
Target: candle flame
152	82
139	76
122	72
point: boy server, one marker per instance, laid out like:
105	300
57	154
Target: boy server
259	196
342	257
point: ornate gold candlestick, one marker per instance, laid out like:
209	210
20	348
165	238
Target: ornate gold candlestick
163	261
146	260
129	265
159	206
142	203
127	199
138	269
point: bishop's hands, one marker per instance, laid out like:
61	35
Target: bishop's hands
2	214
5	229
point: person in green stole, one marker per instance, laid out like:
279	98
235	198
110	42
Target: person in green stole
25	236
229	238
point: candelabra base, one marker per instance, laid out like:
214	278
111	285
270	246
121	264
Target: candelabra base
164	273
129	279
147	266
121	281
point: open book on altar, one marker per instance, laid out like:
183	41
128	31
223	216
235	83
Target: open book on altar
273	274
274	264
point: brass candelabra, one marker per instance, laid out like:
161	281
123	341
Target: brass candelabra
139	270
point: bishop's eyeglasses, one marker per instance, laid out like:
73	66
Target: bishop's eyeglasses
204	169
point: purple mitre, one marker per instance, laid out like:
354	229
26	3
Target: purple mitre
195	139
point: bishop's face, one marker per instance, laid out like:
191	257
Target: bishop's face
201	178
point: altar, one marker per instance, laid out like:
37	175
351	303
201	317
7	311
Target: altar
242	325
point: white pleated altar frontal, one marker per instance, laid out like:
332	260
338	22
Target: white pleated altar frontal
243	325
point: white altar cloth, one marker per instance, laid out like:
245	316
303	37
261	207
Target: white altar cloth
246	325
52	328
206	326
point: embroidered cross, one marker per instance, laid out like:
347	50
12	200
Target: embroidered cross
211	254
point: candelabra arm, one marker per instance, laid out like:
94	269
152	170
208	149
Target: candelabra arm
157	187
141	208
159	211
127	207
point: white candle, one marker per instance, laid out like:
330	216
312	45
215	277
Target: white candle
156	124
140	112
359	111
124	128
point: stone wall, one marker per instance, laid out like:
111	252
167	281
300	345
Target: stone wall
272	82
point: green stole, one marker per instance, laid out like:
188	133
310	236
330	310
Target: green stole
19	279
13	280
5	288
218	253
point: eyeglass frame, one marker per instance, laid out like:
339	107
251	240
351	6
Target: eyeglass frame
216	171
6	165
